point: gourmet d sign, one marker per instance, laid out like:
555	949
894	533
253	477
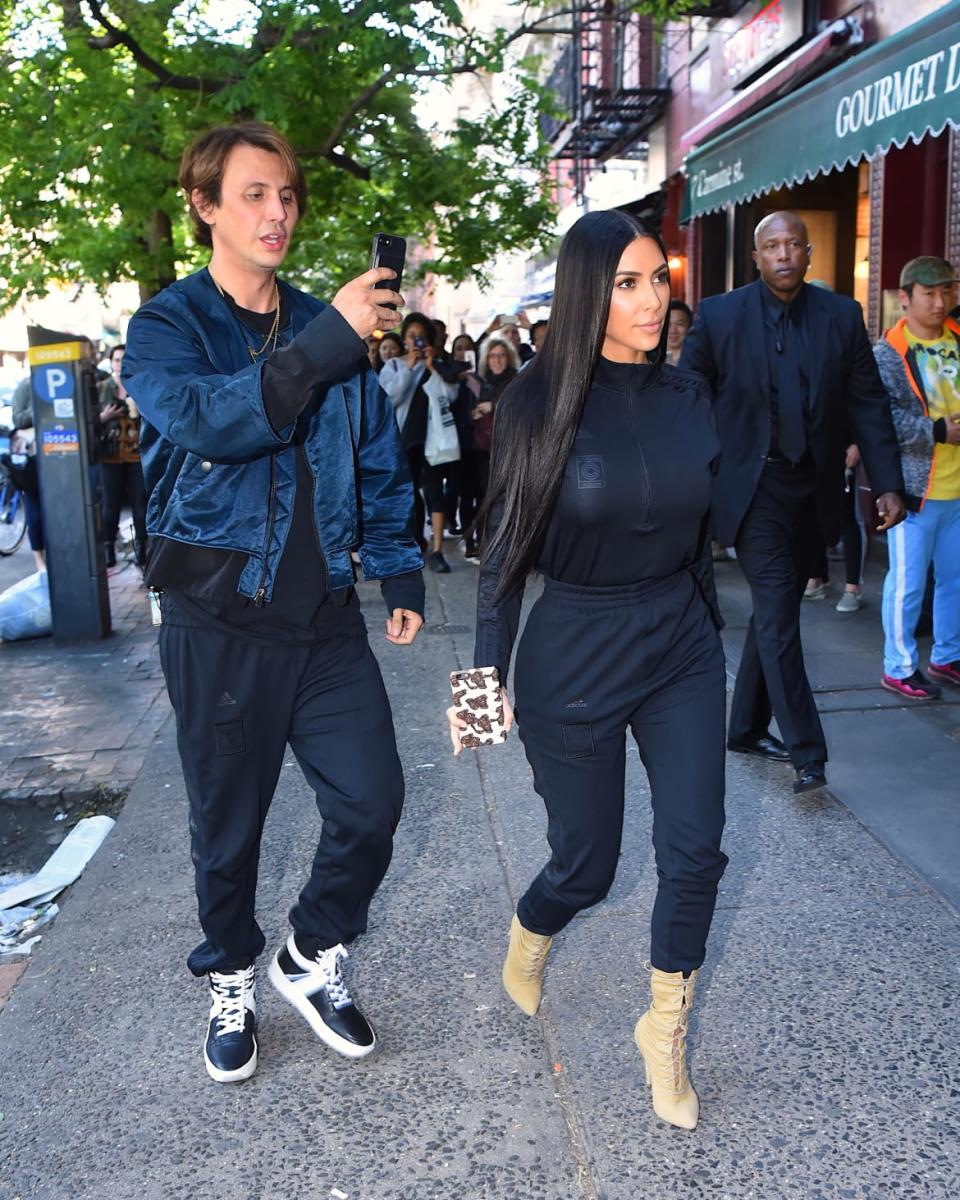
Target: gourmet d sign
901	88
922	81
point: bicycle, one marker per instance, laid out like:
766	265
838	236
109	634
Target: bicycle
13	513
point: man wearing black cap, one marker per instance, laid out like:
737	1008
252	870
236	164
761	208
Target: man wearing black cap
919	362
794	383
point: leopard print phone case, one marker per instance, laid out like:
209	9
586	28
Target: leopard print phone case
477	699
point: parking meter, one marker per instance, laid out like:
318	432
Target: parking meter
64	415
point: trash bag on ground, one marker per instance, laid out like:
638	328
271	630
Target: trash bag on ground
25	609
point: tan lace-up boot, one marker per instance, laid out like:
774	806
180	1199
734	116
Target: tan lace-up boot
661	1037
523	966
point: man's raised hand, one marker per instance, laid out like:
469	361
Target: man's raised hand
363	303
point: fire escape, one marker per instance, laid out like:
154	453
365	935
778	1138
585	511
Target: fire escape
610	85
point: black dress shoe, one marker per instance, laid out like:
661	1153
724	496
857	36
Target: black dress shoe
810	777
765	746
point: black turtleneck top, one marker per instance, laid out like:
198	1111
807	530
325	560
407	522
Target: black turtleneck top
634	497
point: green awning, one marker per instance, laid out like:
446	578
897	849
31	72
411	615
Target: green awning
900	89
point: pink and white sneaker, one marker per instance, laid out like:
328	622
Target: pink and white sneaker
949	673
914	687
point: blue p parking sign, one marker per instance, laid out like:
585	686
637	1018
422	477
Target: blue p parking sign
53	381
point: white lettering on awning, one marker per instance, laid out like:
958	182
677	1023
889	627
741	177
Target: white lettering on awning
899	90
705	183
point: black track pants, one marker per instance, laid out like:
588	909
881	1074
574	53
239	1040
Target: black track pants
238	703
592	663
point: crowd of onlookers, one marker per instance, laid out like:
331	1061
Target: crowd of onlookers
432	385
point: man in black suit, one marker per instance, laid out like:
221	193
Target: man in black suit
794	382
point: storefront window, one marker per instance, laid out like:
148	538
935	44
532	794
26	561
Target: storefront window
861	250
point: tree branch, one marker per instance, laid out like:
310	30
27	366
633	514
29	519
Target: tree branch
268	37
338	159
467	68
167	78
361	102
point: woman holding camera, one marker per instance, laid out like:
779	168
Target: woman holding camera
601	477
411	380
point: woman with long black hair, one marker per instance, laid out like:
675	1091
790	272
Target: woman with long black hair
600	478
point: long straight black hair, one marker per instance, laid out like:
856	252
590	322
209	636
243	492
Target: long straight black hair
539	413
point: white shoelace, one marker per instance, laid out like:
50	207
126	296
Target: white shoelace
328	963
228	991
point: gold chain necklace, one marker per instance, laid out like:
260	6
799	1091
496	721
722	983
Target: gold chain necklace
274	331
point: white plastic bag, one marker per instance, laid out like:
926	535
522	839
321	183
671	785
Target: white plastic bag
25	609
443	442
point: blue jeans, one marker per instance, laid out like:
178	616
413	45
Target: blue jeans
929	536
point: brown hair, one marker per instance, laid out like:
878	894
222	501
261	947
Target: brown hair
204	160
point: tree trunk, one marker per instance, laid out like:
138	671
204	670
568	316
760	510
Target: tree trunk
159	242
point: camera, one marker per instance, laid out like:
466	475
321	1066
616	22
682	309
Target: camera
419	342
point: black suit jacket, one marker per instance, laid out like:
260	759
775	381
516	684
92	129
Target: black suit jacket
728	346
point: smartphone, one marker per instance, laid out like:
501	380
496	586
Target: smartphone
389	251
470	360
477	699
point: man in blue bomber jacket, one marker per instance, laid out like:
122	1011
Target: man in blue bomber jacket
269	453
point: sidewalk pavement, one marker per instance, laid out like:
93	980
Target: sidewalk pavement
76	720
894	763
824	1044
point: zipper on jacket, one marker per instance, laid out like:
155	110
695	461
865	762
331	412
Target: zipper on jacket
647	498
260	597
313	518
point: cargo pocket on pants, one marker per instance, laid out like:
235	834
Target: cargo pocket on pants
578	741
230	739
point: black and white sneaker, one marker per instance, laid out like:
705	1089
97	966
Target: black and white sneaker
230	1050
316	990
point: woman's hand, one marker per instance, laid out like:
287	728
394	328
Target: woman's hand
480	409
412	357
853	456
458	726
508	717
429	354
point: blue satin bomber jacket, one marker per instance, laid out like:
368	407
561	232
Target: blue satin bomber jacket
219	475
